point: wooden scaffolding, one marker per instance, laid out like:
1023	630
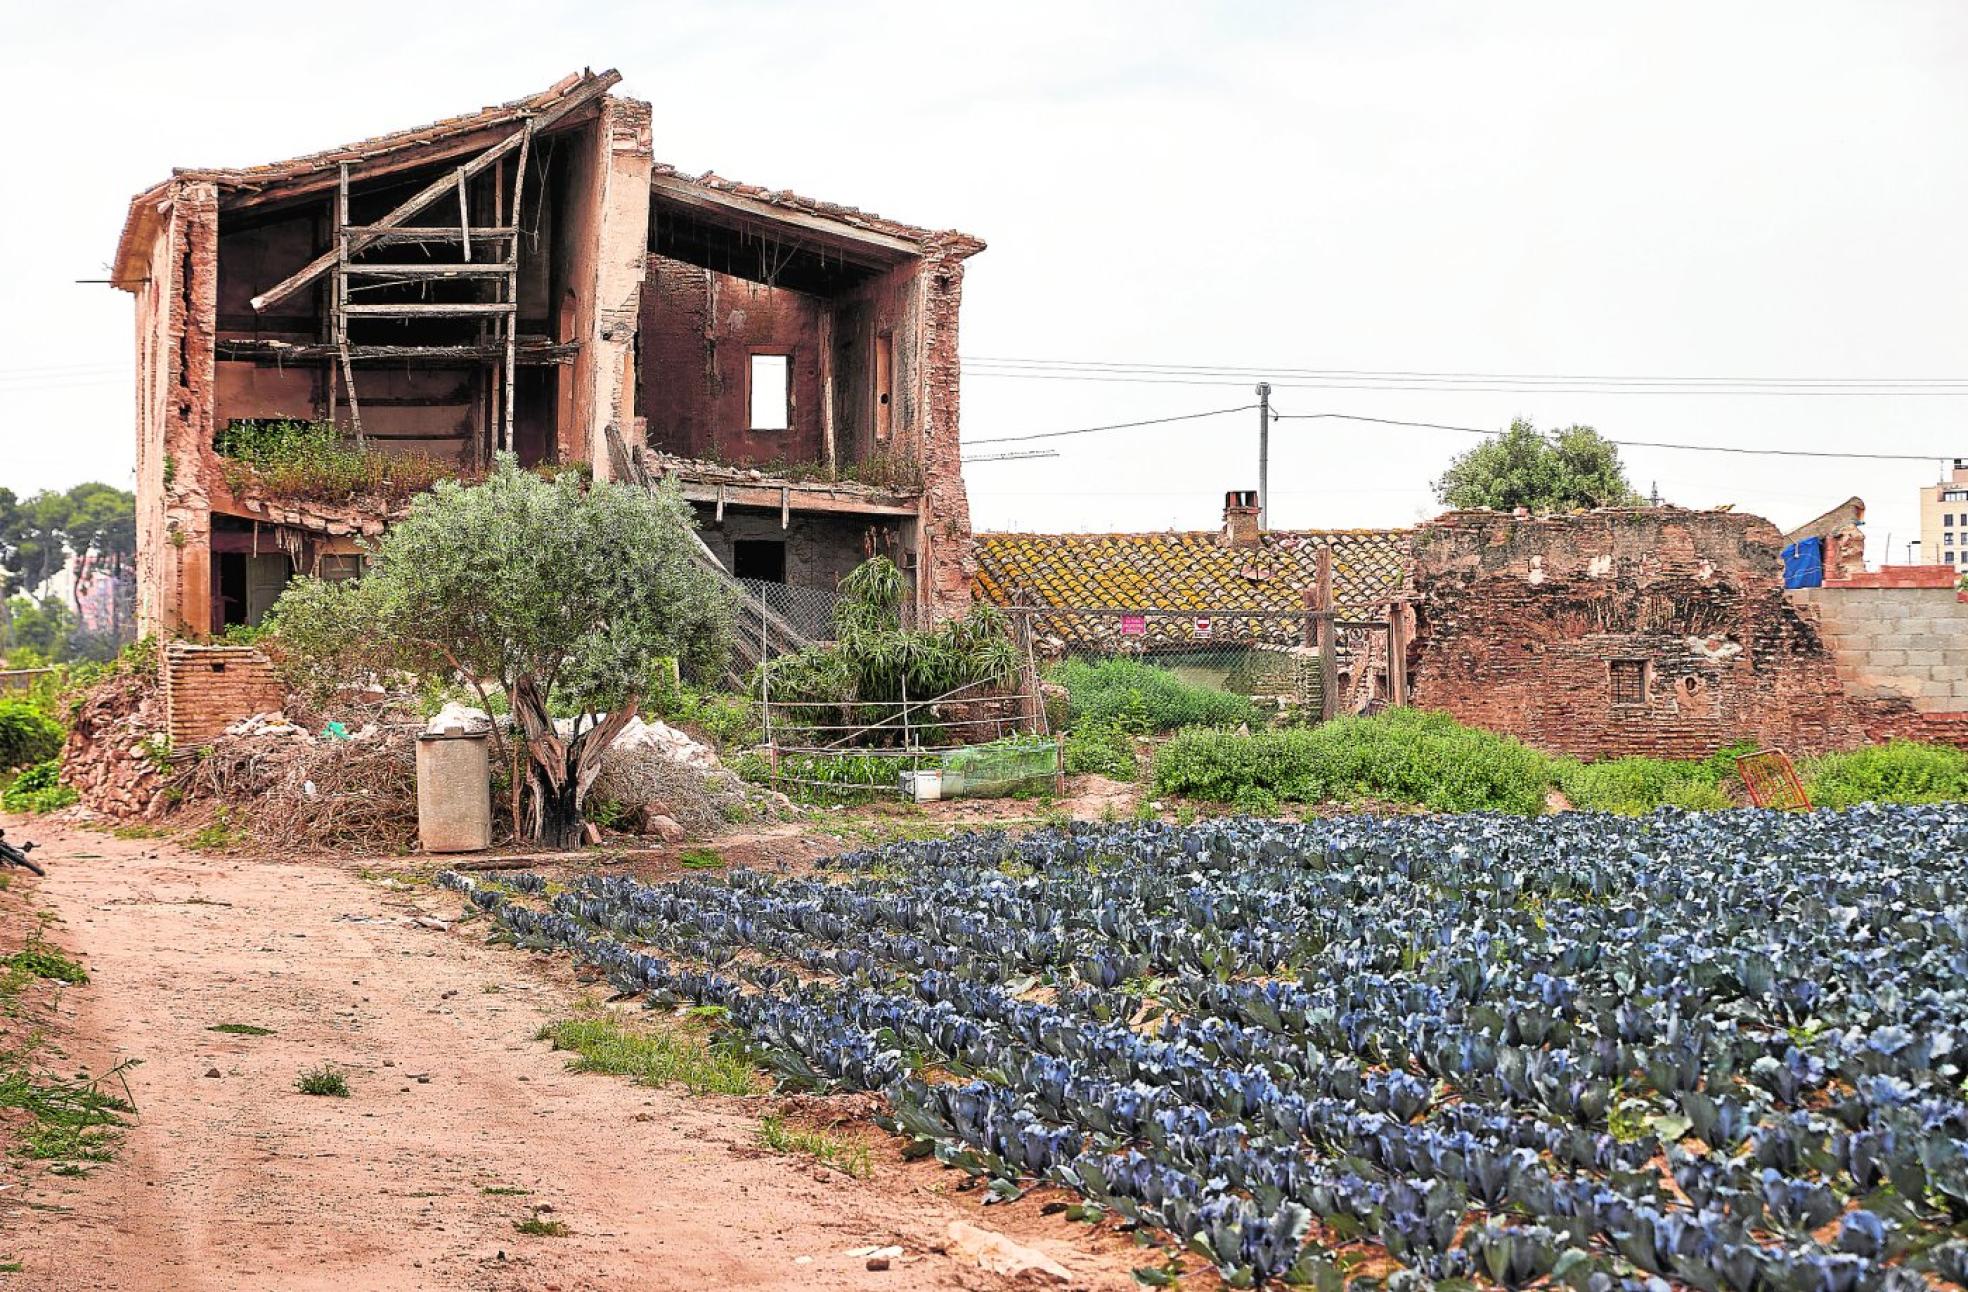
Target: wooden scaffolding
487	257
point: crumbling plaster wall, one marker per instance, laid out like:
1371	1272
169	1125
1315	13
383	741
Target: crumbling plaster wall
607	261
175	316
947	559
820	549
1521	624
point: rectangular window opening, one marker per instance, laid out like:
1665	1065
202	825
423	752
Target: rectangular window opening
759	558
772	392
1629	682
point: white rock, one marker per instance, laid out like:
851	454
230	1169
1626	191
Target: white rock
997	1254
450	720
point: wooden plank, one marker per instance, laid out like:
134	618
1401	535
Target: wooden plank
1397	655
827	385
427	233
1328	636
531	353
435	189
423	309
879	249
767	498
481	269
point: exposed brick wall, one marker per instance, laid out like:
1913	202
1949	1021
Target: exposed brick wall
1522	626
176	466
700	329
208	688
947	560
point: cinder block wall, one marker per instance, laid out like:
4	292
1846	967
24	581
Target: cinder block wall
1897	643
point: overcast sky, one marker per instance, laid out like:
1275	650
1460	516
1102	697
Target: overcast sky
1709	189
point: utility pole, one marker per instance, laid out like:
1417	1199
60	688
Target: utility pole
1263	456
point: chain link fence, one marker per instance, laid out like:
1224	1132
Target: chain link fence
1274	658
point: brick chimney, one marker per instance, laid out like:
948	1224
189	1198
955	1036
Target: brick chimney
1240	518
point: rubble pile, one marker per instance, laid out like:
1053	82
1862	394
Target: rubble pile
116	741
336	789
669	786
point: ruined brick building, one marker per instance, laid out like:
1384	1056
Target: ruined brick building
1648	631
527	278
1655	631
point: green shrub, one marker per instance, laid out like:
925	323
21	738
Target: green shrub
1631	786
38	789
1100	748
27	735
1405	756
727	721
1144	699
1898	772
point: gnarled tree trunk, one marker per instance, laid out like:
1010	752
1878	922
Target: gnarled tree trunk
559	772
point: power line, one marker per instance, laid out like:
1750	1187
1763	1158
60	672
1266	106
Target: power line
1090	370
1636	444
1025	455
1115	426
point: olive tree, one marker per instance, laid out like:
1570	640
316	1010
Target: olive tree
564	594
1523	467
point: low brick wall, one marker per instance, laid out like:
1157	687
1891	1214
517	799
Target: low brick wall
208	688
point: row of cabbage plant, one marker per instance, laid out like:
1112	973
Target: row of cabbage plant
1725	1051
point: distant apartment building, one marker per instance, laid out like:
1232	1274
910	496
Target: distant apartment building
1944	519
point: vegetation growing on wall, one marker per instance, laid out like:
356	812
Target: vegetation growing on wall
316	462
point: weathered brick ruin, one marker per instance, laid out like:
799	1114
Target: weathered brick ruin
1657	631
528	278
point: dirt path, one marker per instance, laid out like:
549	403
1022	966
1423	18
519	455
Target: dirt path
238	1181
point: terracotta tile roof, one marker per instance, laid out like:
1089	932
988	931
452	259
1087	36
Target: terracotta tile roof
1190	572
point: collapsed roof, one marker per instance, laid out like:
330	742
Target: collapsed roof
858	236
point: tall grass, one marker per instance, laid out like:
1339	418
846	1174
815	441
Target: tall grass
312	460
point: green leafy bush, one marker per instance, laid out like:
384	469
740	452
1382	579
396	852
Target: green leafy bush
27	735
38	789
1144	699
875	662
1900	771
1405	756
1632	786
1100	748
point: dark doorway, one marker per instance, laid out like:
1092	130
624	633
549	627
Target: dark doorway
249	585
759	558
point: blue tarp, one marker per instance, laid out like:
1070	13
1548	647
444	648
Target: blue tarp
1804	563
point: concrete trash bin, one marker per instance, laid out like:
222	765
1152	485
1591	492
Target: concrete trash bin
454	792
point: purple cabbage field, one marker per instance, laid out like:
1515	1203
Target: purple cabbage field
1719	1050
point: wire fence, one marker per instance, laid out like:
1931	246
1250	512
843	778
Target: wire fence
1273	657
1315	663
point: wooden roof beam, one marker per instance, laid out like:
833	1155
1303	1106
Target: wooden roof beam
436	189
